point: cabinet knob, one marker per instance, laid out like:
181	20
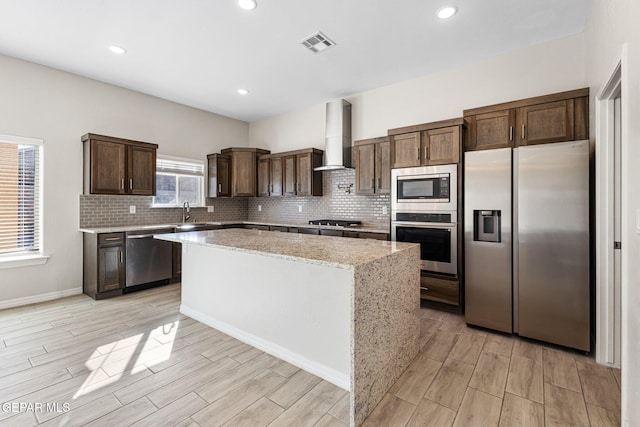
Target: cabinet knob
219	188
131	184
426	153
122	183
121	257
523	131
418	154
510	133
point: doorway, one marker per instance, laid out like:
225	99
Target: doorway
609	202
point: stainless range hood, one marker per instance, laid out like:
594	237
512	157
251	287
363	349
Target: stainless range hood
337	150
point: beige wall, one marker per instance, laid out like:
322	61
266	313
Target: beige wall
59	107
546	68
612	24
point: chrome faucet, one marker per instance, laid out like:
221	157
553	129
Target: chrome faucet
186	211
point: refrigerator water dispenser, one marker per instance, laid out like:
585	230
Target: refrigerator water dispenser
486	226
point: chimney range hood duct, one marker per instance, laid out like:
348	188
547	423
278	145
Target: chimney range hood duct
337	150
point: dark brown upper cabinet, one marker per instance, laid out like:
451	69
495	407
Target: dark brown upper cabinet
289	183
119	166
244	170
406	150
219	175
373	165
276	176
264	176
541	120
309	182
435	143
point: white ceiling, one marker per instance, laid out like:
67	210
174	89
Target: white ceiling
199	52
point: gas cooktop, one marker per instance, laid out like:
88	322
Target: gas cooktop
337	222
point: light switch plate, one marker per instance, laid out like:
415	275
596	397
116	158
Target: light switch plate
299	208
384	210
132	209
209	209
259	208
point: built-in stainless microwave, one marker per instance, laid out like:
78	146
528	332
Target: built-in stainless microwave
426	188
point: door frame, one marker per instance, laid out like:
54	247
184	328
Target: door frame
609	304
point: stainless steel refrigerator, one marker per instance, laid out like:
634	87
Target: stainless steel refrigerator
527	241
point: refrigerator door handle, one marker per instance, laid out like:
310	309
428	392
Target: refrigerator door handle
515	242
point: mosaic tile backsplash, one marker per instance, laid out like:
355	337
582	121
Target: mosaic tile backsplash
113	211
337	203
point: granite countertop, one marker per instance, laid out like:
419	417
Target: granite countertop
312	249
123	228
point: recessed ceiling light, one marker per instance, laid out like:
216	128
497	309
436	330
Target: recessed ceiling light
243	91
247	4
117	49
446	12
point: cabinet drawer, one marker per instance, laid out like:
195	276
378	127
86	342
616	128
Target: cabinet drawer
337	233
110	239
435	289
308	231
376	236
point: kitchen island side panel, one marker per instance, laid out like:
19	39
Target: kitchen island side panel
386	327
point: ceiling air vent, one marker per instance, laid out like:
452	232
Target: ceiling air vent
317	42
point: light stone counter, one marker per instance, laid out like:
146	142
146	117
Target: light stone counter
343	309
123	228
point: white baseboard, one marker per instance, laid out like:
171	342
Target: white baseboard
17	302
334	377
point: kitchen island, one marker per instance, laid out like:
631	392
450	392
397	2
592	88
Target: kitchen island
343	309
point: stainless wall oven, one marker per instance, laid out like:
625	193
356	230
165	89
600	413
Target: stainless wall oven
424	203
437	234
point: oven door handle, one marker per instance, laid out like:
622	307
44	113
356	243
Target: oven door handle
424	224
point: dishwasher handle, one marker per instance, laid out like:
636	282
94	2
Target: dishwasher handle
140	236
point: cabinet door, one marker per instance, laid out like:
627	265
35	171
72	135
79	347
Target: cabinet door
365	157
108	167
304	174
491	130
441	146
289	182
243	173
406	150
110	268
141	171
224	176
383	168
264	182
544	123
276	176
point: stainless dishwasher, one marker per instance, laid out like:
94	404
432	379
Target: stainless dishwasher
148	259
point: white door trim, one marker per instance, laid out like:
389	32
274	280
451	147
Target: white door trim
608	297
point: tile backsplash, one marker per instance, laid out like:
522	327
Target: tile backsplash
337	203
110	211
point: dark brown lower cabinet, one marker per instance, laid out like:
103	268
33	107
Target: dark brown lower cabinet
441	290
104	264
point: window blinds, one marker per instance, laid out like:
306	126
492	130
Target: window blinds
180	167
19	197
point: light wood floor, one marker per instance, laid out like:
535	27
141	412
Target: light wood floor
134	360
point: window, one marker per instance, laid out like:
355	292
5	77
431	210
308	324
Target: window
20	195
179	181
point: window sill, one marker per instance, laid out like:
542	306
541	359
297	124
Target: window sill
22	261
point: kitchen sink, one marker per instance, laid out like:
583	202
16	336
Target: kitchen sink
195	226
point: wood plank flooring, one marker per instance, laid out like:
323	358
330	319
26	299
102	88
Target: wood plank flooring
135	360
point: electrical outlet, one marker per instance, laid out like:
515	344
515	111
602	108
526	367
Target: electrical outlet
209	209
259	208
384	210
299	208
132	209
